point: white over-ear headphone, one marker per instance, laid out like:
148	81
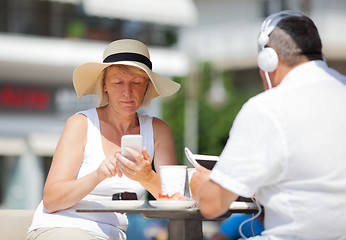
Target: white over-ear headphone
268	59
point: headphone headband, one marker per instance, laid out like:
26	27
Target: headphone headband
271	21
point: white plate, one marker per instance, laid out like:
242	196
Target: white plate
122	204
171	204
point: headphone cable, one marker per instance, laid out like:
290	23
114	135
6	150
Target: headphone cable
268	80
250	219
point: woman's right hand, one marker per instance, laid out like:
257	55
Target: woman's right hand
107	168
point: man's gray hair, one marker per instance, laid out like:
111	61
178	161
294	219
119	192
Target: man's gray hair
295	38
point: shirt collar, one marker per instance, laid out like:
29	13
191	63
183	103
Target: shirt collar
304	72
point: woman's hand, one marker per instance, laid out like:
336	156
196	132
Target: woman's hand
139	170
198	178
107	169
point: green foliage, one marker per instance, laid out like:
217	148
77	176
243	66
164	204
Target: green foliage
214	121
173	114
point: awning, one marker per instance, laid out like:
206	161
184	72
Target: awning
170	12
52	60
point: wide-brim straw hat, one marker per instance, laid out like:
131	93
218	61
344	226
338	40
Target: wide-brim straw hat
87	77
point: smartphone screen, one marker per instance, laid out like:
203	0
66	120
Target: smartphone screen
133	141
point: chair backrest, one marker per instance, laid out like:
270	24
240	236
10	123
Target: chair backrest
14	224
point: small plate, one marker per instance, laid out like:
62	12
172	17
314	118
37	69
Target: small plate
122	204
171	204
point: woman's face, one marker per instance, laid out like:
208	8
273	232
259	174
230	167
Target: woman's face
125	89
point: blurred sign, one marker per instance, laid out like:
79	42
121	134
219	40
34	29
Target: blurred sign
28	98
31	98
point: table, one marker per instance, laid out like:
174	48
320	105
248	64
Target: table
184	224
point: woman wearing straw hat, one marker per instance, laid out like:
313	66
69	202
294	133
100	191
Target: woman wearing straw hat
87	166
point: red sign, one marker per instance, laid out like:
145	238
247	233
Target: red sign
24	98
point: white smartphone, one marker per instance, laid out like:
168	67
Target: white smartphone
190	157
133	141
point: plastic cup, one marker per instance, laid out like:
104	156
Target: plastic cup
190	172
173	179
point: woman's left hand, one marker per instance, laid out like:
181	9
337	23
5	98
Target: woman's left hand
139	170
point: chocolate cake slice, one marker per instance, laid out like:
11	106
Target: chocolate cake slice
125	196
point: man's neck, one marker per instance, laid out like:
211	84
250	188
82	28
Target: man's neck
282	70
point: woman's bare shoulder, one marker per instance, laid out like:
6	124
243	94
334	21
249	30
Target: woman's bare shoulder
75	132
159	123
76	127
77	120
161	129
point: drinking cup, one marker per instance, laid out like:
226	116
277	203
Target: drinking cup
173	179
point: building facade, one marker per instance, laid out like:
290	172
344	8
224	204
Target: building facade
42	41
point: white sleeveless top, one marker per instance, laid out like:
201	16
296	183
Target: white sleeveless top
101	225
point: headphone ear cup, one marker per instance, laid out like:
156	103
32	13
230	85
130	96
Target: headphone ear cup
268	59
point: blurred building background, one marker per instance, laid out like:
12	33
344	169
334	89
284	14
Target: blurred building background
208	46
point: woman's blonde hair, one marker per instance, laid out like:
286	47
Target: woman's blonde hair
103	96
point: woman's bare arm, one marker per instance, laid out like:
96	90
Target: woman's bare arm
164	145
62	190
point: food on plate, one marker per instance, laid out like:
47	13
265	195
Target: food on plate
125	196
175	197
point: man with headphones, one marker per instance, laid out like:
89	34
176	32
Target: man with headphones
287	145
